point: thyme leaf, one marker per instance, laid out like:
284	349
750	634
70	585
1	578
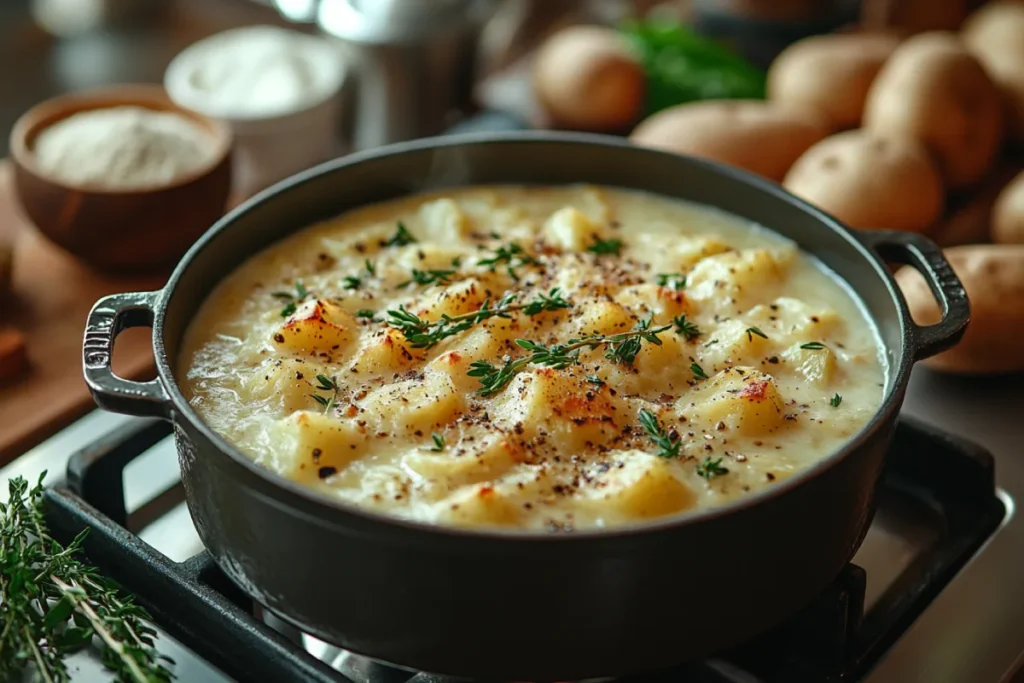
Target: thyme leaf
709	469
53	604
675	281
423	334
668	447
612	246
401	237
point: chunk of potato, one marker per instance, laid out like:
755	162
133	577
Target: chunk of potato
564	409
387	351
442	220
735	277
786	317
569	229
736	343
479	505
473	459
310	446
316	327
647	298
743	398
601	317
645	486
425	405
482	343
458	298
284	382
818	366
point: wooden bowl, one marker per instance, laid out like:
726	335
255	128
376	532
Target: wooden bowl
112	229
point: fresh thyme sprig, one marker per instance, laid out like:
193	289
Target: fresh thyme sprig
423	334
438	442
709	469
52	604
512	255
351	282
685	328
668	447
428	277
325	383
624	347
401	237
293	300
558	356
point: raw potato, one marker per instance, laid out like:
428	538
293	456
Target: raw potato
934	90
830	74
969	218
995	35
868	180
761	137
993	276
586	78
1008	213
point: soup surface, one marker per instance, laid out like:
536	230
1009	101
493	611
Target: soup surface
545	358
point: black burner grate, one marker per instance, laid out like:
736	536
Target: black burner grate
832	639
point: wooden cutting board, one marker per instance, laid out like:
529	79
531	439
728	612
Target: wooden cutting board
52	296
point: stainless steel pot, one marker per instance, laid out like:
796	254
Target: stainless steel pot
525	606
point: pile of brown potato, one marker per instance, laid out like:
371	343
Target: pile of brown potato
922	133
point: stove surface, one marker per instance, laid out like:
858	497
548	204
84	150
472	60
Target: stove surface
973	632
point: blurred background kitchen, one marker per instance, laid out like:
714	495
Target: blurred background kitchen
281	85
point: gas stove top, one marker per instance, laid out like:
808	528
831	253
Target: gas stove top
931	596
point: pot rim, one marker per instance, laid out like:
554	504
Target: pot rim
897	377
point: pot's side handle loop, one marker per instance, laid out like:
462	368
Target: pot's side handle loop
107	319
926	257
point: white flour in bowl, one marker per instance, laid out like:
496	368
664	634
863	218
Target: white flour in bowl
122	148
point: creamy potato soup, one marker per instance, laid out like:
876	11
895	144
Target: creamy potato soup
540	358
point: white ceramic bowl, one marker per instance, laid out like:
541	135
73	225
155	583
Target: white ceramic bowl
244	76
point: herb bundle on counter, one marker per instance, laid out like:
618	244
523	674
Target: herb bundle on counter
53	605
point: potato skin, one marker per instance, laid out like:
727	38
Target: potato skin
934	90
993	276
1008	213
830	74
995	35
869	181
586	78
761	137
968	218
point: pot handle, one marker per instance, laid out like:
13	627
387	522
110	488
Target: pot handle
922	254
107	319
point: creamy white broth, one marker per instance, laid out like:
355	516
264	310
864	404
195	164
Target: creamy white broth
295	359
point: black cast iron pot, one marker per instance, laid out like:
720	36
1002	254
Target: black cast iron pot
525	606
